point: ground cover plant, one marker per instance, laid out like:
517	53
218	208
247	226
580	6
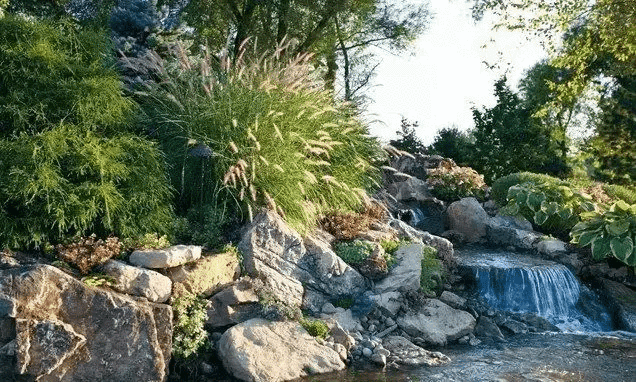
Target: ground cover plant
450	182
71	164
610	233
261	132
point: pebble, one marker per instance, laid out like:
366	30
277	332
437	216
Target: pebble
380	359
389	321
382	351
371	328
328	308
367	352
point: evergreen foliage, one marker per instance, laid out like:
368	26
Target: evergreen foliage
408	141
454	144
70	165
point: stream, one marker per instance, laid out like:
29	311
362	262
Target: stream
586	349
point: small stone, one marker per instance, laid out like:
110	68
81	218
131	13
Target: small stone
474	341
328	308
464	340
367	352
379	359
371	328
383	351
389	321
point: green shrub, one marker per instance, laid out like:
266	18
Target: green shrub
554	208
263	133
500	187
316	328
189	335
618	192
450	182
69	164
354	252
432	271
609	233
205	225
344	302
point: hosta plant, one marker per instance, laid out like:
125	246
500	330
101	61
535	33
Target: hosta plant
610	233
554	208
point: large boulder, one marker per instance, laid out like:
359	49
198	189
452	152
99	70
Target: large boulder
503	231
404	276
469	218
290	264
262	351
437	323
206	276
53	327
621	301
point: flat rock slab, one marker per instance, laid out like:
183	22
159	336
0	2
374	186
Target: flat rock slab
263	351
437	323
205	276
405	353
165	258
138	281
405	275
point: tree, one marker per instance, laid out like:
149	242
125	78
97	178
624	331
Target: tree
338	32
408	140
614	145
452	143
508	139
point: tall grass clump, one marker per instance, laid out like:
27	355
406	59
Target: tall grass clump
260	132
70	162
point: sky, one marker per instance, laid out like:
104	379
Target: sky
447	75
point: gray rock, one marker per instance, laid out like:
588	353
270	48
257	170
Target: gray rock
437	323
137	281
486	328
450	298
551	248
234	304
367	352
340	336
64	328
622	303
253	351
205	276
515	327
379	359
444	247
517	222
344	318
405	275
165	258
389	321
468	217
404	352
328	308
290	264
410	190
501	232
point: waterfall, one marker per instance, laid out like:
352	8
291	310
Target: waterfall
517	283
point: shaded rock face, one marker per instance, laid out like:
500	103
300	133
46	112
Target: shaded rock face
437	323
444	247
262	351
622	303
53	327
290	264
468	217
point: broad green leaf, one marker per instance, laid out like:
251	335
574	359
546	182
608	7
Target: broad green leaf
588	206
565	213
588	215
622	206
622	247
600	248
587	238
517	194
540	217
512	208
534	200
618	227
550	208
566	191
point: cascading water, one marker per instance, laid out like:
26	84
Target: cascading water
517	283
